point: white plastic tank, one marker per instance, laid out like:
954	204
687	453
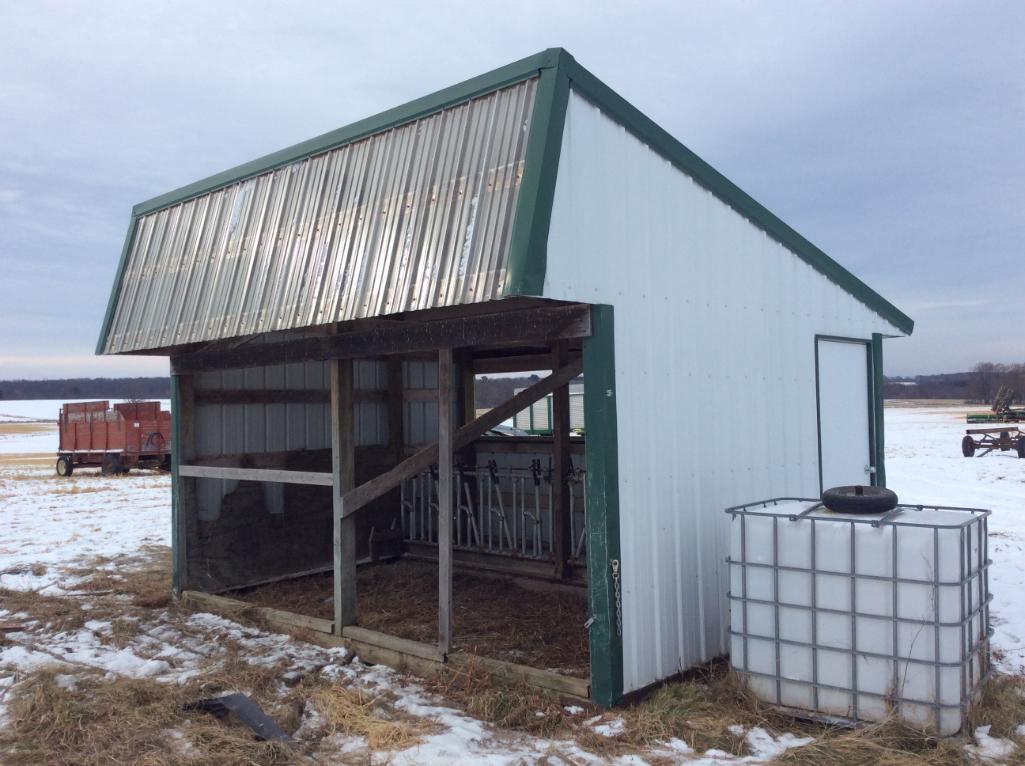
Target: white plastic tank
857	617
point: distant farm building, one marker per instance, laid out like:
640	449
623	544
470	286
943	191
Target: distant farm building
326	309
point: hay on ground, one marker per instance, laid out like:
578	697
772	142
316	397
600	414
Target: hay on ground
492	618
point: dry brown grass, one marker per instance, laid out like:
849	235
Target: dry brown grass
357	713
889	743
471	688
55	613
144	577
698	709
1001	705
122	721
20	429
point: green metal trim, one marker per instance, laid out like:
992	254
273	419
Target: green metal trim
115	291
528	248
177	521
421	107
602	503
620	110
879	390
873	435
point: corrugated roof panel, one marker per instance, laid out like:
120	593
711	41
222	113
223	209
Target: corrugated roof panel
415	217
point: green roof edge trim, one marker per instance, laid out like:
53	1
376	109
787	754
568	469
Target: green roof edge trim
645	129
115	290
413	110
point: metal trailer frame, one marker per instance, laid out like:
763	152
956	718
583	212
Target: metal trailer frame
1006	438
970	608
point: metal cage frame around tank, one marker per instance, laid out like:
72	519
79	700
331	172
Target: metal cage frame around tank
978	645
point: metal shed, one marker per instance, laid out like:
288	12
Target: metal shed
326	308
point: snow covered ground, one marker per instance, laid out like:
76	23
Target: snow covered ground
52	528
924	464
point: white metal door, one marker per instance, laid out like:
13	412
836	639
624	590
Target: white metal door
845	412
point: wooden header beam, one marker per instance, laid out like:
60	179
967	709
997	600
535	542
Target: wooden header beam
534	325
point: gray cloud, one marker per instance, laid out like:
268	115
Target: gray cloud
889	134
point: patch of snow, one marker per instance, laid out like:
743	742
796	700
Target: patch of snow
573	709
991	749
612	728
66	681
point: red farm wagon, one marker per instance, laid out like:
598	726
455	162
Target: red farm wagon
129	435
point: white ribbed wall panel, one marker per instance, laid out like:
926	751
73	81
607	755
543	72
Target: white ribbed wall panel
715	326
227	429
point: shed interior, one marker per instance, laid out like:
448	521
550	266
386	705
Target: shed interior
342	475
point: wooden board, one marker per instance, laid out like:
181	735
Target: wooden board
256	474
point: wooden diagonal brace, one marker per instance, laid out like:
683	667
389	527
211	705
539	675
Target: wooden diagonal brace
369	491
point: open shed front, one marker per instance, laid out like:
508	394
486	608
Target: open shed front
339	481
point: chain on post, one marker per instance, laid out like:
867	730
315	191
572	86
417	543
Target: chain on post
617	592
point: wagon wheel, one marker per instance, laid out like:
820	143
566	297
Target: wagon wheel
65	466
968	446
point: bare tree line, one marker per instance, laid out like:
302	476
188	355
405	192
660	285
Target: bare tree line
987	378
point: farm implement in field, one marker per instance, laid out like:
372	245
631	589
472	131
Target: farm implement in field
1001	411
129	435
990	439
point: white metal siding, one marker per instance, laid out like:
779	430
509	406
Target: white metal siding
715	326
230	429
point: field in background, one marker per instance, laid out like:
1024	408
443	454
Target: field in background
109	660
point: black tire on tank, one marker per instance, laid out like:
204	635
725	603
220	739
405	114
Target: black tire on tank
967	446
65	466
858	499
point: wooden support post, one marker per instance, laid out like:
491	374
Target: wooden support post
396	410
183	488
446	430
466	410
343	476
560	467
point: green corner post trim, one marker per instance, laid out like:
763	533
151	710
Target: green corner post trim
528	248
115	291
177	520
602	501
879	391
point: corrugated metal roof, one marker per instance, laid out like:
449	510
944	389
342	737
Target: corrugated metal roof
414	217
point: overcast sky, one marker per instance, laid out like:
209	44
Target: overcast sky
890	134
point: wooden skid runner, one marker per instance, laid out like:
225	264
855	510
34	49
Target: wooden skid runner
381	648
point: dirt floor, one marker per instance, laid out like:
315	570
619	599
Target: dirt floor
493	618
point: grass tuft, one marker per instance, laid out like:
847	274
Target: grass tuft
98	721
357	713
